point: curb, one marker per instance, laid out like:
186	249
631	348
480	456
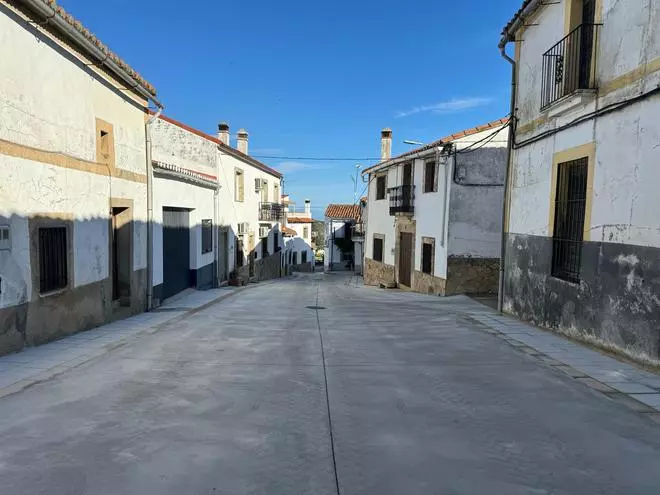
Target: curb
106	349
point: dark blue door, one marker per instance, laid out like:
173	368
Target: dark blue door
176	251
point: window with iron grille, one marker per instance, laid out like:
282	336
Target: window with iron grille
428	248
53	274
207	236
378	249
570	207
429	177
381	186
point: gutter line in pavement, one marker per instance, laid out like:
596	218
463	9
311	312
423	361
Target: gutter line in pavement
327	395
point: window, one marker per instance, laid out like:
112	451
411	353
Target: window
239	185
105	146
305	232
304	256
238	247
207	236
428	255
378	249
429	177
53	274
276	193
5	240
381	186
264	191
570	208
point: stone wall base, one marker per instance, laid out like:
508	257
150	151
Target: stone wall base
472	275
376	272
428	284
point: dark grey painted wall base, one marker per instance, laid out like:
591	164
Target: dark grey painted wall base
201	279
616	304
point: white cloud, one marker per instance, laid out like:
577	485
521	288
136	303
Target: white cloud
292	166
449	106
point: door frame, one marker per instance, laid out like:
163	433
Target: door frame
407	225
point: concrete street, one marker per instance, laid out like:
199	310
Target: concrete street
376	392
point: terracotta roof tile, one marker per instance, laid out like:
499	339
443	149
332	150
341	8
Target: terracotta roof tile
298	220
343	211
447	139
288	232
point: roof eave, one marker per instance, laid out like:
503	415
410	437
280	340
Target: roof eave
509	31
404	158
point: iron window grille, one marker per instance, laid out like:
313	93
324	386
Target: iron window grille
207	236
569	65
53	269
402	199
570	208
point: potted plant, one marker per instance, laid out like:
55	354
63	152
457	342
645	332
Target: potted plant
233	278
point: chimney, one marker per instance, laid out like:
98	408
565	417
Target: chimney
385	144
308	208
223	133
242	141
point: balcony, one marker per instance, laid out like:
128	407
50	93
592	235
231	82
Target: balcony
357	230
271	212
570	65
402	200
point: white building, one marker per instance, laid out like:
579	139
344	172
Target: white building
435	213
185	209
73	199
583	232
339	247
299	245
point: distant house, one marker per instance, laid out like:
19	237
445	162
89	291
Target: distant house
435	213
339	248
298	233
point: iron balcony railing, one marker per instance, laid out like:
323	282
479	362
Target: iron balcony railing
357	230
402	199
570	65
271	212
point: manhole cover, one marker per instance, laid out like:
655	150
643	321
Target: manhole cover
315	307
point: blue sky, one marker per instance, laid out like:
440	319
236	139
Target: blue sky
315	79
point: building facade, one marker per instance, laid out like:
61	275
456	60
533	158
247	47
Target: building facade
73	202
185	209
582	233
434	214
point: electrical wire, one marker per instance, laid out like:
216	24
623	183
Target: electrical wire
317	158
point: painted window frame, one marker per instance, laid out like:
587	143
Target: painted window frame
434	184
381	238
239	185
379	177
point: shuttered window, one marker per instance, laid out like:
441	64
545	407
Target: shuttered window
53	274
239	185
429	177
381	186
378	249
428	255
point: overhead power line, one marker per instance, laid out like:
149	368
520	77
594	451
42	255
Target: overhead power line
317	158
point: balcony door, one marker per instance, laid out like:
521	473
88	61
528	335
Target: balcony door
407	175
587	42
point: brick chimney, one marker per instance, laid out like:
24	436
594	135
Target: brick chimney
385	144
242	141
223	133
308	208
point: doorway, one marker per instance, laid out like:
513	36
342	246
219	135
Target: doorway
120	259
405	258
176	251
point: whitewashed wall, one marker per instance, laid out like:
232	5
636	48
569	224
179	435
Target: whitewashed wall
50	101
300	230
379	220
625	172
247	210
298	245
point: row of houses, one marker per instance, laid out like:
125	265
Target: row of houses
107	206
554	207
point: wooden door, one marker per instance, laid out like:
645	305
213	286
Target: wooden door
405	258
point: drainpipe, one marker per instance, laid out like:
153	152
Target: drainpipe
509	156
150	208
